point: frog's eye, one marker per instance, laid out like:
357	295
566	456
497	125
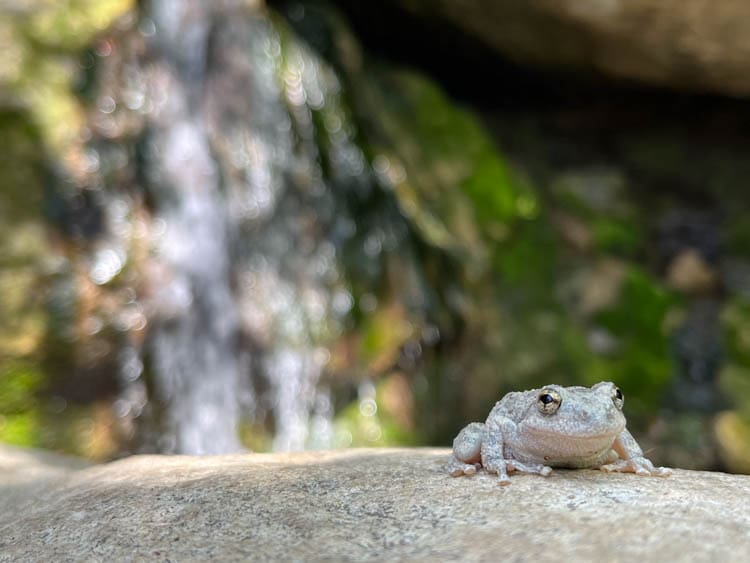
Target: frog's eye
548	401
618	398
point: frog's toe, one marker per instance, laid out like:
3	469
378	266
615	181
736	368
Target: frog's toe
466	469
456	468
619	466
662	472
534	468
638	465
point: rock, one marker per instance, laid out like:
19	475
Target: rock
689	273
692	44
381	504
26	472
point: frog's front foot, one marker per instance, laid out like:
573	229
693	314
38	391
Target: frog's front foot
500	468
456	467
637	465
504	468
502	476
534	468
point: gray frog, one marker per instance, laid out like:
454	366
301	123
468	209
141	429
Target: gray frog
534	431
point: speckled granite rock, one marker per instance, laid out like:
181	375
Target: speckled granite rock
696	44
24	473
372	504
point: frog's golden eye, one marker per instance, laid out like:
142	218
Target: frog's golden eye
618	398
548	401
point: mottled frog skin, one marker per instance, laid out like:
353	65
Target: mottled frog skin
534	431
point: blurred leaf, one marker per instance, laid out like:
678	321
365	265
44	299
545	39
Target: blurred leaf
379	422
638	321
19	384
20	429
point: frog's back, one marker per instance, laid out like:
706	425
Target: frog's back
514	405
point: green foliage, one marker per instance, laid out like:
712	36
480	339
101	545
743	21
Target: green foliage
19	385
22	248
735	376
450	181
618	237
482	258
638	321
736	320
733	427
599	199
528	261
22	169
19	404
20	429
370	423
738	236
39	121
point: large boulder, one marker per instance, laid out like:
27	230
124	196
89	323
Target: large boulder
25	473
371	503
695	44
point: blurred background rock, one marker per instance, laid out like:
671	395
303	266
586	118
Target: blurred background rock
232	225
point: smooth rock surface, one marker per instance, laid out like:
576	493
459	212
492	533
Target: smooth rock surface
701	45
372	504
25	473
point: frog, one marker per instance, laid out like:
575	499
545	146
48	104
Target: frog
536	430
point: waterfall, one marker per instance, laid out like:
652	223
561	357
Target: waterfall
195	331
244	288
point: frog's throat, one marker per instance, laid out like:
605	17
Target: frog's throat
613	433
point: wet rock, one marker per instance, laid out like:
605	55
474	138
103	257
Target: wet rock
691	44
378	504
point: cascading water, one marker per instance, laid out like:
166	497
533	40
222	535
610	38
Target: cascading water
243	282
194	337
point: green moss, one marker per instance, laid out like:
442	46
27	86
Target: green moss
734	381
737	236
21	429
450	180
641	362
528	261
736	323
457	150
734	378
19	385
21	171
617	237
